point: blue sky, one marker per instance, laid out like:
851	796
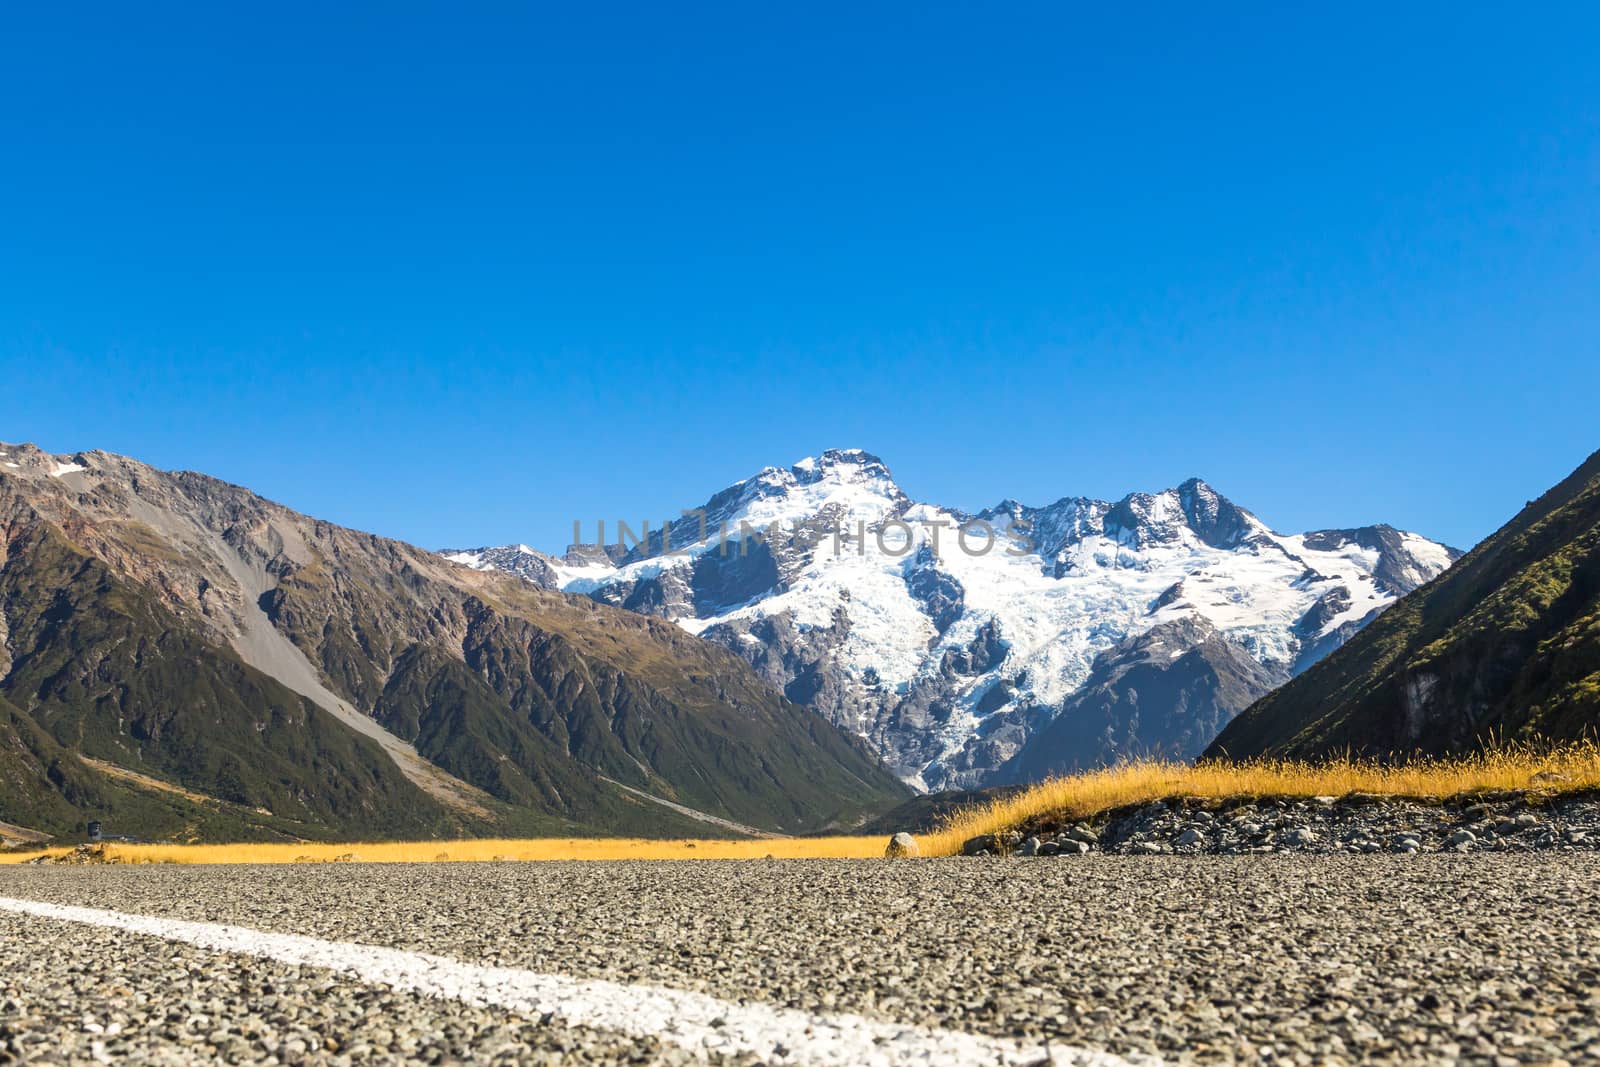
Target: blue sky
463	277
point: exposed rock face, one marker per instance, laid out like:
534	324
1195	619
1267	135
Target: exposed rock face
1504	647
180	627
977	649
1164	693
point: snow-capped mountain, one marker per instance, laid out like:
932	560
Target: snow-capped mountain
1003	646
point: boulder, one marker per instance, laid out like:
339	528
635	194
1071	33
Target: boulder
902	844
991	844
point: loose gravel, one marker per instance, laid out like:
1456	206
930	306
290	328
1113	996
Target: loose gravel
1517	821
1491	959
79	995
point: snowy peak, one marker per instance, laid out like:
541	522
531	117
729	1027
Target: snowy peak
949	641
1400	561
1215	519
845	465
841	487
1192	509
527	563
841	481
1191	512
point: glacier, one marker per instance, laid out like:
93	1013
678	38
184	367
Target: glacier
1128	628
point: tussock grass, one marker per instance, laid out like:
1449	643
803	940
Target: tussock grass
597	848
1080	796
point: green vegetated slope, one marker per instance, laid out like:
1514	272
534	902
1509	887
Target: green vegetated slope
143	614
49	787
103	670
1503	647
541	697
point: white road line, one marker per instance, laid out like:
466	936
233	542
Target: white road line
694	1021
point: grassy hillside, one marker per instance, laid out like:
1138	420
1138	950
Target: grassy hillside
1504	646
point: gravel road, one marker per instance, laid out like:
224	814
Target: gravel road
1280	958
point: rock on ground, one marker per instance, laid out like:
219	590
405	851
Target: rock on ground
902	844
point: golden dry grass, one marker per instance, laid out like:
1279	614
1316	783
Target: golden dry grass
144	781
598	848
1080	796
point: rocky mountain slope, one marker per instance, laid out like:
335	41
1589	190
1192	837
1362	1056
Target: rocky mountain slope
974	650
178	654
1504	647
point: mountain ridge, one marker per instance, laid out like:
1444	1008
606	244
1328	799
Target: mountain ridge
490	704
952	655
